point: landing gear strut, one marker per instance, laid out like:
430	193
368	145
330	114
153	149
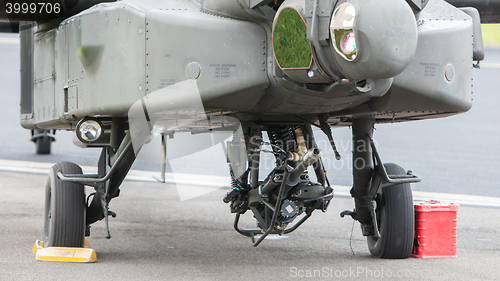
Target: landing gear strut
382	196
68	214
43	140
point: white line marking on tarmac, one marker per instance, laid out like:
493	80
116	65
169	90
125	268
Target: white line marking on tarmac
135	175
220	181
419	196
489	65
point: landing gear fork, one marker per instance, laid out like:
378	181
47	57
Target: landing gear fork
382	196
363	166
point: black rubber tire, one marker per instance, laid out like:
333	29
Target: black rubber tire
64	209
42	144
395	218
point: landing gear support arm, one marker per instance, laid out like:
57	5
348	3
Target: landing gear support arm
114	163
363	167
382	196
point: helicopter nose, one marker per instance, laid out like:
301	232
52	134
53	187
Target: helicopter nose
373	39
355	40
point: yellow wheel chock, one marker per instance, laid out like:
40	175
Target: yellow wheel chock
64	254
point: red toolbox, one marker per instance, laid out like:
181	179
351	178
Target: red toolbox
435	230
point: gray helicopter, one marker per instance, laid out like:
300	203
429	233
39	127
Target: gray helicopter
117	72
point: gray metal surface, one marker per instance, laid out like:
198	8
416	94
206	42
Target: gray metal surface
489	10
228	54
438	80
26	61
90	75
106	61
113	54
44	74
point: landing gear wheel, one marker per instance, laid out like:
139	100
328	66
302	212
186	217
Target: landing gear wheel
64	209
395	218
42	144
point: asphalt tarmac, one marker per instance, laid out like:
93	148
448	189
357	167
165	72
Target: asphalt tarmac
155	236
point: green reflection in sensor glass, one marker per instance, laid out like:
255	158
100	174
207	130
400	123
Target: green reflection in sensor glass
291	47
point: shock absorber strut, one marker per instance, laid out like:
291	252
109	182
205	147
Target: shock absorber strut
362	170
